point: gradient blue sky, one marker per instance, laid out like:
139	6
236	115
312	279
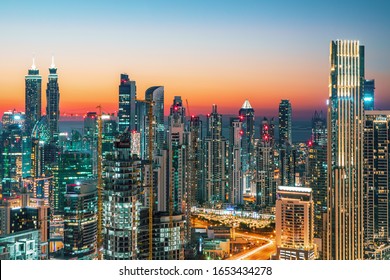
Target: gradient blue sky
207	51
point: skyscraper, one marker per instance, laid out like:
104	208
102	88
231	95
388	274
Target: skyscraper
72	165
294	224
285	123
53	99
156	94
33	98
216	161
235	170
80	220
247	117
317	171
196	160
345	151
265	166
177	155
376	179
121	204
127	103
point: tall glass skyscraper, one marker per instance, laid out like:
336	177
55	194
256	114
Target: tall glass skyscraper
345	151
216	164
156	94
285	122
33	98
376	179
127	102
53	99
247	117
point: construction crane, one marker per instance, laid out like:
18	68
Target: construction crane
150	185
100	186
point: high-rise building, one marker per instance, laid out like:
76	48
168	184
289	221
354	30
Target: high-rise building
127	103
369	95
317	176
285	124
247	117
122	175
344	219
319	132
265	166
156	94
91	137
235	165
11	172
53	99
80	220
294	224
177	156
196	161
72	165
33	98
216	167
376	179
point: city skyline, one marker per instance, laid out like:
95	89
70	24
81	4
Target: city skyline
256	51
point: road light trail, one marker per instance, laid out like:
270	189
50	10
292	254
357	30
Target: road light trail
253	251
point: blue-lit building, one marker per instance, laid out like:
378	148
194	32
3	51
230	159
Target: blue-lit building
369	95
127	103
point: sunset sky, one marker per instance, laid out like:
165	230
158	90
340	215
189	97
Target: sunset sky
208	52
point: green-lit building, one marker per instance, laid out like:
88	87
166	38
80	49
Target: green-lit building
80	220
72	166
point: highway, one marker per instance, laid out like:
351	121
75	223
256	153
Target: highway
258	253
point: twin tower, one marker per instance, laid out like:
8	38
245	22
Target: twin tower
33	98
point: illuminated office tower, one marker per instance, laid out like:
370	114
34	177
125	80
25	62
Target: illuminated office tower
345	152
110	132
196	159
369	95
11	172
216	164
317	176
53	99
72	165
247	116
121	201
265	166
285	124
91	137
33	98
177	155
235	150
376	178
127	103
156	94
294	224
80	220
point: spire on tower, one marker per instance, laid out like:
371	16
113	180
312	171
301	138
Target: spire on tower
33	67
52	62
246	105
